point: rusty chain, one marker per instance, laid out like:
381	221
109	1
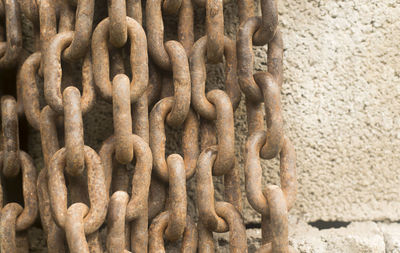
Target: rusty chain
152	85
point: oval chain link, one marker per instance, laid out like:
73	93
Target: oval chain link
79	190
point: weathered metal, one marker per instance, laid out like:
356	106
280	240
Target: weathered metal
152	84
272	202
10	49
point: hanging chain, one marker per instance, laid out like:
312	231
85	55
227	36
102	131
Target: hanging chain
272	202
151	84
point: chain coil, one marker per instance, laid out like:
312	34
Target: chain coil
133	186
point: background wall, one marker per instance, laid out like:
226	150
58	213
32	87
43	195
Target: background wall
341	102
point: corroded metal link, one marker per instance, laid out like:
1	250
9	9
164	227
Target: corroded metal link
10	137
255	117
237	230
30	9
53	75
155	31
185	25
30	92
171	7
277	222
208	134
158	139
274	119
231	80
202	3
198	77
74	228
134	10
215	30
245	59
48	133
94	243
55	235
106	154
138	59
65	16
3	47
140	180
137	207
120	178
216	216
190	237
155	84
140	121
225	160
253	172
2	11
141	177
157	197
29	214
140	124
232	189
245	9
275	58
182	84
269	24
177	198
73	128
116	222
122	119
205	192
9	214
82	32
96	189
288	174
118	24
156	232
155	34
48	25
13	45
206	240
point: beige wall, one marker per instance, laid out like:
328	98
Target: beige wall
341	100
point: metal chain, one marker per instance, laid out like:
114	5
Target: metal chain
151	84
272	202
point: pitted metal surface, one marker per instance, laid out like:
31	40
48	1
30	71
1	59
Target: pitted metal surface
150	84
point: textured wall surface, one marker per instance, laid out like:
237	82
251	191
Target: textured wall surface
341	102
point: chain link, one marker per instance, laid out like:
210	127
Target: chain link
152	84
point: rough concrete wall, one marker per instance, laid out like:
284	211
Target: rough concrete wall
342	101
